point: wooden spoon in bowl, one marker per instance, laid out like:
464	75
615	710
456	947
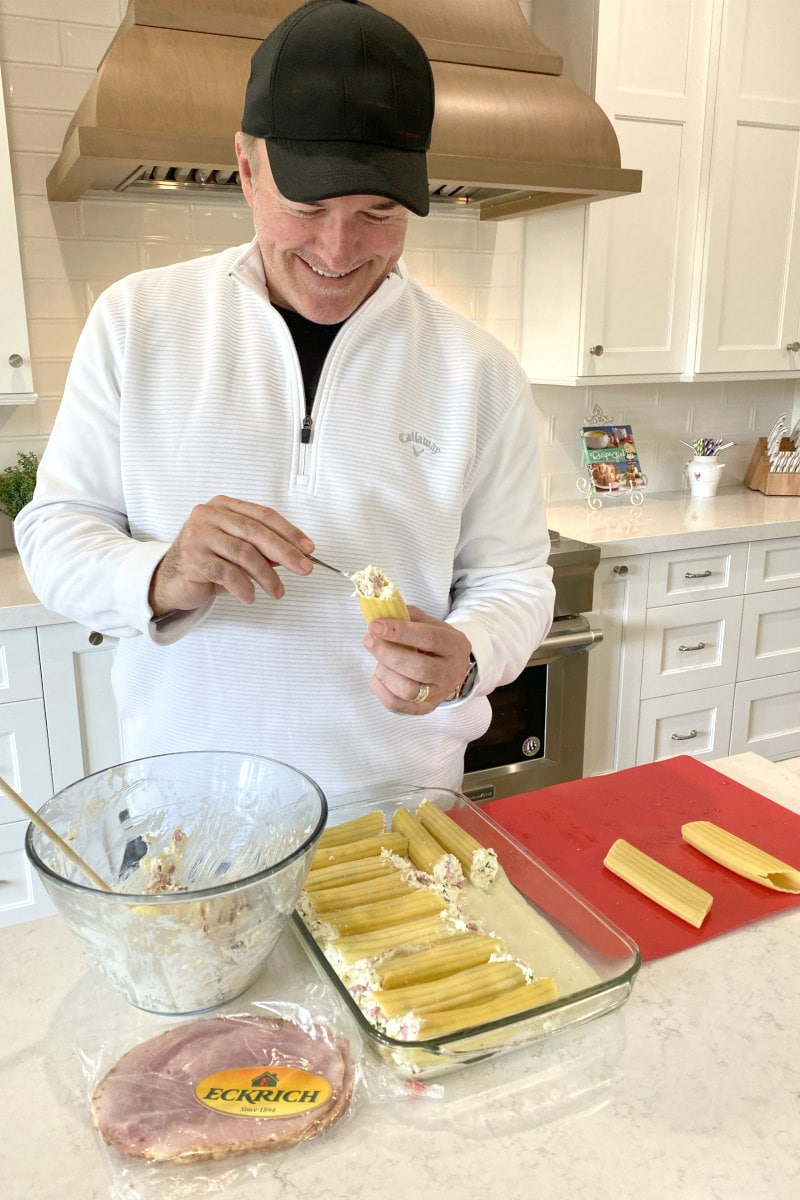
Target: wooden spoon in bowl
49	832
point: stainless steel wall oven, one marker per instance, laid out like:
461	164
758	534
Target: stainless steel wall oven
536	734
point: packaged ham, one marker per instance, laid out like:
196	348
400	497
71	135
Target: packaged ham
220	1086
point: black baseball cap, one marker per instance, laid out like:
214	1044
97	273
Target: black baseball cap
343	95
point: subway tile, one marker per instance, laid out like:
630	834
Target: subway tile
30	41
221	225
461	299
133	220
84	45
31	129
48	407
53	339
94	12
78	258
37	217
443	233
18	421
420	264
46	298
161	254
501	237
49	376
478	270
498	303
53	88
29	172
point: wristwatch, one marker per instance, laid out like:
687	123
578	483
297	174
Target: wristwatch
467	683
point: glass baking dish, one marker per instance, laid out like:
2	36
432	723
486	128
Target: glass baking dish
543	921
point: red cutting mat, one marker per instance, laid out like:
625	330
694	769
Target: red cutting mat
571	826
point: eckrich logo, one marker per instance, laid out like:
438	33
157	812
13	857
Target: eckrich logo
419	443
263	1091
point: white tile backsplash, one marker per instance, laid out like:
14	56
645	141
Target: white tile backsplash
49	50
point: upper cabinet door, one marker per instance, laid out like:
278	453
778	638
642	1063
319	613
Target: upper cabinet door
16	378
652	76
749	314
609	285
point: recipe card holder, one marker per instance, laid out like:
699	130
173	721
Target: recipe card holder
611	461
759	476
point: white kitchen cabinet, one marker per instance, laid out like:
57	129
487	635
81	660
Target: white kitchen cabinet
608	286
58	723
749	304
16	379
699	275
701	655
697	723
82	722
25	765
615	664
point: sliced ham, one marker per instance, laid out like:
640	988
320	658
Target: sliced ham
146	1105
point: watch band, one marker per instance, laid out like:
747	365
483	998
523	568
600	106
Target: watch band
467	683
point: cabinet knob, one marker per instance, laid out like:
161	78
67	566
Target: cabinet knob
684	737
793	346
16	360
598	351
621	569
95	639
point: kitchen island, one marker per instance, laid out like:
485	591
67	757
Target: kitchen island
688	1092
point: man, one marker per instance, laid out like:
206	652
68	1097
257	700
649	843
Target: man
226	417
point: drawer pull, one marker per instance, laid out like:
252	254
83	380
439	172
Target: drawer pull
621	569
697	574
699	646
684	737
95	639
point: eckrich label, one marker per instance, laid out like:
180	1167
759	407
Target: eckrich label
263	1091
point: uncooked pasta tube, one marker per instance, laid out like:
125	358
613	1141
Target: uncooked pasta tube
678	895
741	857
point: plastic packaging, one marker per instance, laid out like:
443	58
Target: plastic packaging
210	1100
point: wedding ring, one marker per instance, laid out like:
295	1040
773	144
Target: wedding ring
423	693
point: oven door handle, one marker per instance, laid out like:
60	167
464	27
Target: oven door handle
575	636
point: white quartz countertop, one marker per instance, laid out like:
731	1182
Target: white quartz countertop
675	520
688	1092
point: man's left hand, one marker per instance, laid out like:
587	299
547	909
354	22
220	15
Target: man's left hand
413	656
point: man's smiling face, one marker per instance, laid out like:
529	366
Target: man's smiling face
322	260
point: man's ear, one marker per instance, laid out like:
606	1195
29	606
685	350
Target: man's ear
245	170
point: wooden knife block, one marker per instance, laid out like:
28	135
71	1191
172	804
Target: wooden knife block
772	483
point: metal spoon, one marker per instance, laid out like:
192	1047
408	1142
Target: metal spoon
328	567
49	832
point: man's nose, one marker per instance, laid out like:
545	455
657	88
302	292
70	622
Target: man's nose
339	244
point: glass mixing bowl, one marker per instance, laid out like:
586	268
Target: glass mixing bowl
206	854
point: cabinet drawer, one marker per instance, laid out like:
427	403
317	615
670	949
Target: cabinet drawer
24	755
20	677
678	576
766	717
22	896
773	565
698	724
770	643
691	646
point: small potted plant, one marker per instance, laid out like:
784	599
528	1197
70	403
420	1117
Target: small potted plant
17	483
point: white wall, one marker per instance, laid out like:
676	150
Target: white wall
49	50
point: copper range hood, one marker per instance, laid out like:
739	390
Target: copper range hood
510	134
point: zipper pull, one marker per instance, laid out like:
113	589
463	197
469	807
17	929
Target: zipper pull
305	431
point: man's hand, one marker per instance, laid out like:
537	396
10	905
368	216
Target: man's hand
411	653
228	545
